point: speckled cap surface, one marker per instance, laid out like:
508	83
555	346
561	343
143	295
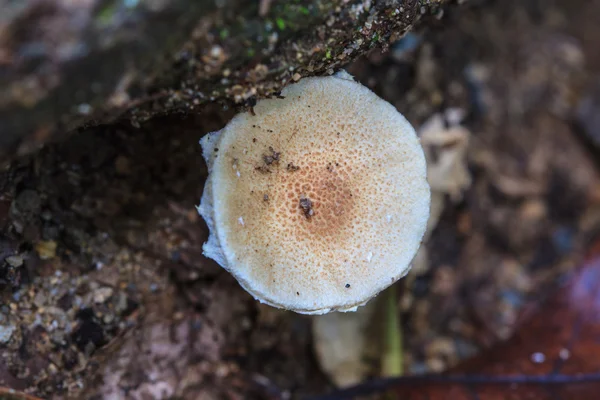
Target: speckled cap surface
318	201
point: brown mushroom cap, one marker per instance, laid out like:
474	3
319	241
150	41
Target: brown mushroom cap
318	201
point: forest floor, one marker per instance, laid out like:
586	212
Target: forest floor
113	297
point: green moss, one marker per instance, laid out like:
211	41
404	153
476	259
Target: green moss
280	23
294	16
106	13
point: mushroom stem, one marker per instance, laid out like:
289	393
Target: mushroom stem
392	362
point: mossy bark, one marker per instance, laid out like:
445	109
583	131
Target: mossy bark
70	64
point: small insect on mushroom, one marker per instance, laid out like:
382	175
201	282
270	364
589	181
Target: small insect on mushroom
326	240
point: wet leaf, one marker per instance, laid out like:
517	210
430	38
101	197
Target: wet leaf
554	355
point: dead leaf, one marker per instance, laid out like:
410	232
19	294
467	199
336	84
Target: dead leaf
554	355
445	143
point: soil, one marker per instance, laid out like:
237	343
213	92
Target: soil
105	292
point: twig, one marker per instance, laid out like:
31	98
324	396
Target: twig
379	386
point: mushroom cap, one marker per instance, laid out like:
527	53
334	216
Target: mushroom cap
319	200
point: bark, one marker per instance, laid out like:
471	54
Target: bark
67	64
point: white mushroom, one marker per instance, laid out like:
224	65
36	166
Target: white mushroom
333	193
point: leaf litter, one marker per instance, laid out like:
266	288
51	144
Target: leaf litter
553	355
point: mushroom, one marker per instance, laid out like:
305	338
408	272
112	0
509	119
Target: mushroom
318	200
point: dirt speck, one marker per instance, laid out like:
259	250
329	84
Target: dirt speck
307	207
272	157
